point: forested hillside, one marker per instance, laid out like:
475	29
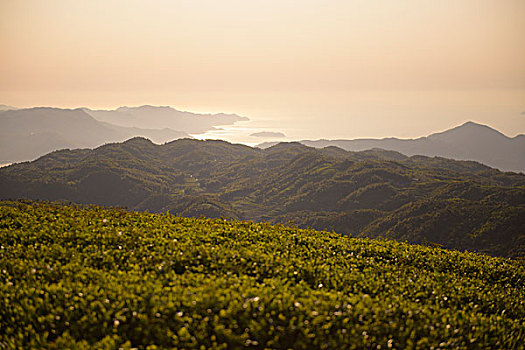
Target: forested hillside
93	278
455	204
469	141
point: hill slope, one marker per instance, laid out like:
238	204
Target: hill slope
470	141
460	205
98	278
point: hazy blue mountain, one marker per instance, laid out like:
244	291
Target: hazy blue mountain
164	117
268	134
470	141
26	134
7	108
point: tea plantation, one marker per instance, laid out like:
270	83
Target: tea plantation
75	277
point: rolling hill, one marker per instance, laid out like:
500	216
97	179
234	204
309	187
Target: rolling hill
96	278
470	141
383	194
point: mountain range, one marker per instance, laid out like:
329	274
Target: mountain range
26	134
375	193
470	141
164	117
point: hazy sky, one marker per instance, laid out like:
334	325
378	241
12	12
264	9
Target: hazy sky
335	68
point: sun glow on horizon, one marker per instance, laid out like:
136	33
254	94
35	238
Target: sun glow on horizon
365	67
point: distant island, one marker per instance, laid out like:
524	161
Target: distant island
164	117
268	134
28	133
469	141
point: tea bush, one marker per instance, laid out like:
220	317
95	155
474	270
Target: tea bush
74	277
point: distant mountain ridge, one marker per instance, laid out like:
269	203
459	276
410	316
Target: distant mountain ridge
7	108
271	134
28	133
164	116
469	141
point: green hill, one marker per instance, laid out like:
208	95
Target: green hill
469	141
456	204
77	277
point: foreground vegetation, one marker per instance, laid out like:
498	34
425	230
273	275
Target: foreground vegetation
76	277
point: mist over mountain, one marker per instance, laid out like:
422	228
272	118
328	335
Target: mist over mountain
164	117
374	193
269	134
470	141
26	134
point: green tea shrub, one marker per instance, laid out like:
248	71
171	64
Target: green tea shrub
74	277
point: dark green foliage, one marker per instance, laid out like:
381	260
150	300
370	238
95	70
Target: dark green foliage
99	278
460	205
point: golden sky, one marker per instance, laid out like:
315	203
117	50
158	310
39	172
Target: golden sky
243	55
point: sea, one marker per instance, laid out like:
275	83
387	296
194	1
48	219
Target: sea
362	114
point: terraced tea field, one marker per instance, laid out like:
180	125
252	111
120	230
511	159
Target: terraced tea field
75	277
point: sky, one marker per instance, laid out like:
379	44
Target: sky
311	68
